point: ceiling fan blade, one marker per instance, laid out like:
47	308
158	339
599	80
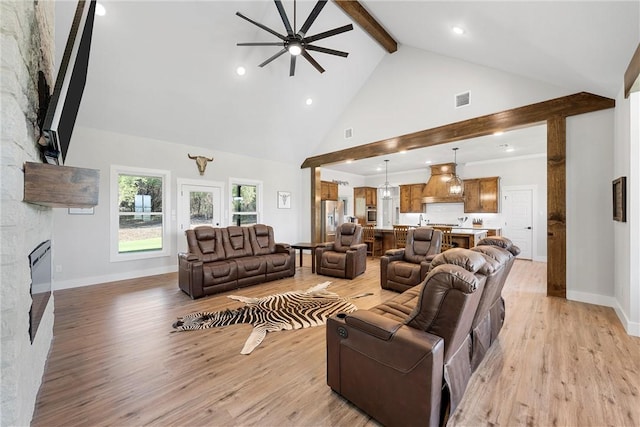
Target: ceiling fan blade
267	29
292	67
283	16
261	44
325	50
329	33
312	17
312	61
272	58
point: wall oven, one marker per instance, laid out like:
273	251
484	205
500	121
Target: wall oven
372	215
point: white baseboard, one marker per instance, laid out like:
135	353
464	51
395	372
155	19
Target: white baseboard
632	328
540	258
590	298
94	280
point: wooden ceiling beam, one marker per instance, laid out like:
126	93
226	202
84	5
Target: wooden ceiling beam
565	106
359	14
632	75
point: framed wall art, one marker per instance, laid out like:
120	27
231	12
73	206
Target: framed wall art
284	200
620	199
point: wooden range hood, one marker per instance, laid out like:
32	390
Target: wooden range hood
437	190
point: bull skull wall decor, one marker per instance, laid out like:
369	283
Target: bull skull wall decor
201	161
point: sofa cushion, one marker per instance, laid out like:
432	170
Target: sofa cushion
262	241
501	242
236	242
206	242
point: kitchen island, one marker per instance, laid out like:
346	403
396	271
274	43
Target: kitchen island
464	237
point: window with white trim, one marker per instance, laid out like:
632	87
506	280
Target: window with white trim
245	202
139	223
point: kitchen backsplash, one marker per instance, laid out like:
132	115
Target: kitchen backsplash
448	213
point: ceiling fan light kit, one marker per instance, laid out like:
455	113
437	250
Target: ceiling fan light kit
296	42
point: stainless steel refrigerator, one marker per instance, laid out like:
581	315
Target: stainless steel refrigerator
332	217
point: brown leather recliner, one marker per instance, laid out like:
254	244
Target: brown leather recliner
401	269
346	257
489	317
399	360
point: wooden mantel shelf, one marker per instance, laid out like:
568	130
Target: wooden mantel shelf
60	186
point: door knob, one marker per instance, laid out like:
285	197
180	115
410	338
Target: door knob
528	228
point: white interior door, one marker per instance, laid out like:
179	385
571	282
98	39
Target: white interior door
198	204
517	206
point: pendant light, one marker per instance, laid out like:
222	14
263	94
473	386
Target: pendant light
456	186
386	193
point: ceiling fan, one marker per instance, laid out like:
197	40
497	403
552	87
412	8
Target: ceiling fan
296	42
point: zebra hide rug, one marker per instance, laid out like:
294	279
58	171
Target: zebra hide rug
290	310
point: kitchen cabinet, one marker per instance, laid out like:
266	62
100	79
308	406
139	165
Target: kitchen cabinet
481	195
328	190
411	198
364	197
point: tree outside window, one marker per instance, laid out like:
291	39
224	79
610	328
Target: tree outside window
244	199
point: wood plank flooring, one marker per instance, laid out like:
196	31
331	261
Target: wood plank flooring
115	361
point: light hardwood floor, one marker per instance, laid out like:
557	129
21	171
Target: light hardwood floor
115	361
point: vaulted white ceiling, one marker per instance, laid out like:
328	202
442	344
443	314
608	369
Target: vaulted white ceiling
166	69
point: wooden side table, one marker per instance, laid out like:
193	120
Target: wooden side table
308	246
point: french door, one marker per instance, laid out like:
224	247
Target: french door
199	203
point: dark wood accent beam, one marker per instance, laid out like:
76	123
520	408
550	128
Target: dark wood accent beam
61	186
566	106
633	72
316	206
359	14
556	207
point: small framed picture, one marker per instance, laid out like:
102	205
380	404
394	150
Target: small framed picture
284	200
80	211
620	199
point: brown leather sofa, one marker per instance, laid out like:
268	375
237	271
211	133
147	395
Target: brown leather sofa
408	361
401	269
346	257
220	259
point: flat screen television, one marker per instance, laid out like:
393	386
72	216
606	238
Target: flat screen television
64	103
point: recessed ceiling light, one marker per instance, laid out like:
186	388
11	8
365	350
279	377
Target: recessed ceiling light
428	162
498	133
458	30
100	10
309	101
349	161
241	71
509	149
402	151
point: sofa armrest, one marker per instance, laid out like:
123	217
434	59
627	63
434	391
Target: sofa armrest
190	275
283	248
373	324
188	256
358	247
394	254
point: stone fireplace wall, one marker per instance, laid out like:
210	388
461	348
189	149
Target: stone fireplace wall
26	31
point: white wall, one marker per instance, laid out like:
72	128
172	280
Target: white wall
27	37
589	167
626	251
82	241
412	90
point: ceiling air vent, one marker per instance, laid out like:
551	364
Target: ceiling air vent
348	133
463	99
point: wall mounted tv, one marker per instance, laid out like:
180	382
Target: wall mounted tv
64	103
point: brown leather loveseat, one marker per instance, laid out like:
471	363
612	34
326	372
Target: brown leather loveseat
408	361
220	259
